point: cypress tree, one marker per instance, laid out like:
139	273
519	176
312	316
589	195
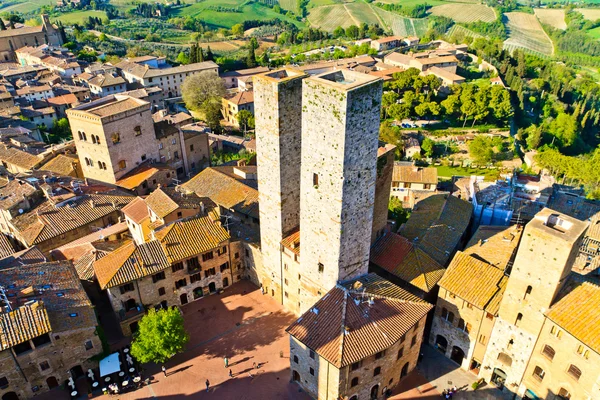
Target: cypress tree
2	26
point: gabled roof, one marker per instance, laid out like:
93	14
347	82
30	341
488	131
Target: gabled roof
344	327
62	165
437	224
225	191
577	310
106	80
48	221
21	159
242	97
32	255
22	324
6	246
163	201
130	262
495	245
184	239
475	281
292	241
414	174
400	257
137	210
139	174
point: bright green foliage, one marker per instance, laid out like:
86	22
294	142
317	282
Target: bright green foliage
202	93
245	119
61	131
161	335
428	146
397	212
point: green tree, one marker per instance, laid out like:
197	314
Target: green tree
352	32
397	212
428	147
2	26
61	131
203	93
237	30
160	336
251	58
182	58
209	54
387	100
564	128
338	32
481	149
244	117
399	111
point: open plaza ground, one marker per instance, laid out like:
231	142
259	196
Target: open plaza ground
249	327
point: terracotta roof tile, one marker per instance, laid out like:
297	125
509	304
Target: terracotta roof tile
58	287
138	175
65	165
22	324
184	239
130	262
163	201
475	281
577	310
6	246
413	174
137	210
401	258
243	97
19	158
32	255
495	245
345	327
12	193
224	190
437	224
292	241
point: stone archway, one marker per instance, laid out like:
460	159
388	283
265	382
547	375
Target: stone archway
457	355
10	396
52	382
441	343
404	371
296	376
374	392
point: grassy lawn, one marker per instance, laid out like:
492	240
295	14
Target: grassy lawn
448	172
595	33
78	17
26	6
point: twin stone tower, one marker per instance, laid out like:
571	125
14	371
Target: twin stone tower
317	142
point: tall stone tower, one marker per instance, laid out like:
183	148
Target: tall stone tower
340	128
548	248
278	100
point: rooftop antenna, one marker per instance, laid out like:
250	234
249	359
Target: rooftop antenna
227	223
4	298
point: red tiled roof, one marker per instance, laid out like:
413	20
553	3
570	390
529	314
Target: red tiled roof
137	210
401	258
345	327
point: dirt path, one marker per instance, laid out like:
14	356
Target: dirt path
356	22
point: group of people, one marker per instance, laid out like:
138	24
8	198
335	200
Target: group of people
448	393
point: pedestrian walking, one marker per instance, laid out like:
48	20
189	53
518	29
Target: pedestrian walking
207	385
230	374
226	361
164	370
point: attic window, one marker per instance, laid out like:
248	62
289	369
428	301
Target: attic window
137	130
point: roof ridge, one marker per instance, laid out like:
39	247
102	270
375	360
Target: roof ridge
343	327
418	258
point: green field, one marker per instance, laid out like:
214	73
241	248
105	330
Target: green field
79	17
595	33
462	32
291	5
25	6
219	19
465	12
526	33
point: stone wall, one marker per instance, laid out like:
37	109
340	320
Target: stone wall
555	369
329	382
385	170
340	127
278	144
147	293
66	350
130	147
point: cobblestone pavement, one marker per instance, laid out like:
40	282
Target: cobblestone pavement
243	325
436	373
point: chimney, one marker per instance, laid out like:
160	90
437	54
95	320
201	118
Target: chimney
202	207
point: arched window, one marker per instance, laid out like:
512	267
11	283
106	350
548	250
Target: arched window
296	359
450	317
376	371
84	136
527	292
461	324
87	161
539	373
80	135
354	382
93	139
549	352
519	318
97	139
574	372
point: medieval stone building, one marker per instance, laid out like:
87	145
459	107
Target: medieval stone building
13	39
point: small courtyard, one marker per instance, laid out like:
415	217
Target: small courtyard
248	327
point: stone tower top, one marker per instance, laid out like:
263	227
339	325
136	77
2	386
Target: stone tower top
344	79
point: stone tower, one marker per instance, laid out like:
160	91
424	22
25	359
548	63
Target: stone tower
340	128
548	248
278	98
